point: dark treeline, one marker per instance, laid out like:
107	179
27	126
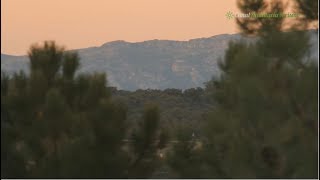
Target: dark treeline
259	120
177	108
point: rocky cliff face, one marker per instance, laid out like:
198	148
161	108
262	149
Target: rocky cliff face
154	64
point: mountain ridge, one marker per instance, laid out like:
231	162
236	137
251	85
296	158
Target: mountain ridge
151	64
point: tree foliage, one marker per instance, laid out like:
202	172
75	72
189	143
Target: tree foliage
58	125
265	123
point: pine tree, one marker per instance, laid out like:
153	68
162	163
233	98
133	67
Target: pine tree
55	124
265	122
147	139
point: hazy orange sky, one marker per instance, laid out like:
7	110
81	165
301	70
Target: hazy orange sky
84	23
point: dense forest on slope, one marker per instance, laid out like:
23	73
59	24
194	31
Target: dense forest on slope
178	108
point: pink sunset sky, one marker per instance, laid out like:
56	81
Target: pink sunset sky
85	23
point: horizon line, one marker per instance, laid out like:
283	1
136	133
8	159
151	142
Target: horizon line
134	42
131	42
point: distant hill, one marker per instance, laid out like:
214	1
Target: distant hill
154	64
